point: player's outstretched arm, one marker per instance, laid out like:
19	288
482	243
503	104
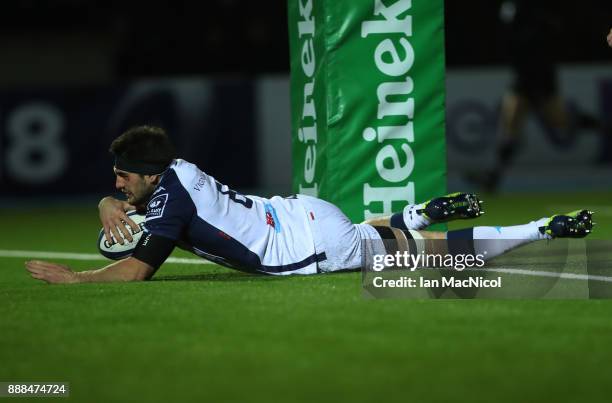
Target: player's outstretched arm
130	269
113	215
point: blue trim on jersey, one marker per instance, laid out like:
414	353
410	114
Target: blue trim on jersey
319	257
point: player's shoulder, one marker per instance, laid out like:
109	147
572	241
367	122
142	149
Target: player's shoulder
181	166
190	177
178	175
172	189
184	172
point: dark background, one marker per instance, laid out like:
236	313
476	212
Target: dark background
231	36
86	59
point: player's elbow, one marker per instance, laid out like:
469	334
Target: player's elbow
138	277
135	270
140	274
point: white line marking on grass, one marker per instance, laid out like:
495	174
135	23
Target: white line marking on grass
538	273
91	256
598	209
37	254
186	260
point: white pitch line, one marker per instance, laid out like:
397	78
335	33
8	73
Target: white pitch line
36	254
538	273
598	209
28	254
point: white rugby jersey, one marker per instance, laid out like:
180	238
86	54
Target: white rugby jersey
249	233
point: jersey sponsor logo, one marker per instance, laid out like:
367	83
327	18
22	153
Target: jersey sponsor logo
271	218
155	208
200	184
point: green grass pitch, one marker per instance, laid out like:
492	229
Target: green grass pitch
205	333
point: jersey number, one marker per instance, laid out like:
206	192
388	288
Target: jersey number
235	196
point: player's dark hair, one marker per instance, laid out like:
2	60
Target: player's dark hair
144	149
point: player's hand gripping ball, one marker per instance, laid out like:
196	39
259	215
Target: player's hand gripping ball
115	250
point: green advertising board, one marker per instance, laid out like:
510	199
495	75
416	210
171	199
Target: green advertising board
367	98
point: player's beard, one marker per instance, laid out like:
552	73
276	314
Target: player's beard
140	196
139	201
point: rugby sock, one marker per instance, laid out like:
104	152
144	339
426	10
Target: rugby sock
409	219
494	241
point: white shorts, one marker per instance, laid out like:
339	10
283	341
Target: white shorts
345	244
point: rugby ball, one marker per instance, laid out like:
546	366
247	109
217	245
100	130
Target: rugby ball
115	250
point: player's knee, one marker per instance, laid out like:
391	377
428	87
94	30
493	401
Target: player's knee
383	221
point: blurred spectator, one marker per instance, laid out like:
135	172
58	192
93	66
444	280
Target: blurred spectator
531	30
610	38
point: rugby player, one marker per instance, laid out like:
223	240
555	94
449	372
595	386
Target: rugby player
530	28
185	207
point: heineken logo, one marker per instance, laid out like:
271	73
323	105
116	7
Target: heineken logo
392	131
307	131
367	102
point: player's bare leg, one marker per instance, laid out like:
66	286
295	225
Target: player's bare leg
564	123
514	111
554	112
513	114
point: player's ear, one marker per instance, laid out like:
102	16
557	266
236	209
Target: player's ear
153	179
